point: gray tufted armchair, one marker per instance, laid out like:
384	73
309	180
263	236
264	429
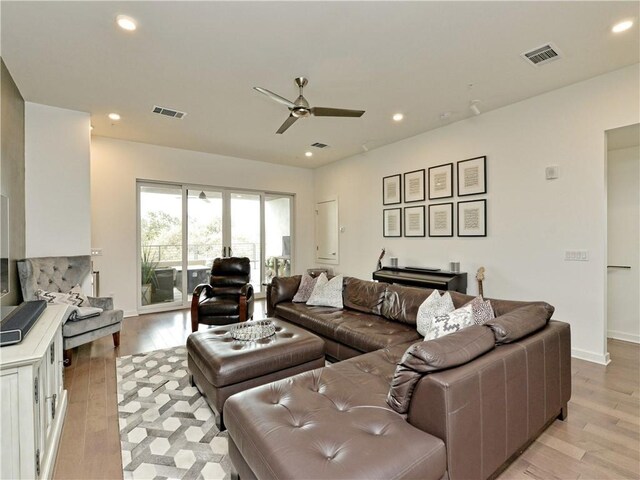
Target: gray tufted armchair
60	274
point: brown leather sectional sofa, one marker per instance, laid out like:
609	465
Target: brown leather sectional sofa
459	407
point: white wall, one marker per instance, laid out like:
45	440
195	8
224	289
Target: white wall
57	187
623	306
531	221
115	166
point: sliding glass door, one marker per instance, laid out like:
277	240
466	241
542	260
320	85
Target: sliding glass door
160	230
211	223
245	214
277	236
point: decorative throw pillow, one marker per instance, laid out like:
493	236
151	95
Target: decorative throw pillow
307	283
327	293
57	297
448	323
79	296
482	310
433	306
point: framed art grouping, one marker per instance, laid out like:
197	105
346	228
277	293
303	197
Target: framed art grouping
414	221
441	220
472	218
391	190
414	186
441	181
392	226
472	176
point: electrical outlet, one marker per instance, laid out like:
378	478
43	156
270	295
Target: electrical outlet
96	252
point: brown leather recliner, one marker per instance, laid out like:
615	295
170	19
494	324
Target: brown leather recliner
227	298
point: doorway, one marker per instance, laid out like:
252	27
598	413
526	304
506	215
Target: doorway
183	228
623	233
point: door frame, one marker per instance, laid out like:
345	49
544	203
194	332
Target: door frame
226	232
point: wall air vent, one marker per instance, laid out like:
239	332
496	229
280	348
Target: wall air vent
319	145
542	55
168	112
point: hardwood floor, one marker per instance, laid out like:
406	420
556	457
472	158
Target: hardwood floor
599	440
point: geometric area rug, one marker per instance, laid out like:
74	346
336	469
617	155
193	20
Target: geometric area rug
167	430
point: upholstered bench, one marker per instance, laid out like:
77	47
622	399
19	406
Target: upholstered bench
221	366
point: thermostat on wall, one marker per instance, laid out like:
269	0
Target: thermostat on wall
551	172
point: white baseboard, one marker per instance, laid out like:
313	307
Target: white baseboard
627	337
130	313
591	356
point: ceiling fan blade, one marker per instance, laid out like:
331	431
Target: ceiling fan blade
287	123
335	112
275	97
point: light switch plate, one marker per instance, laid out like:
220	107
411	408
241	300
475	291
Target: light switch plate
552	172
576	255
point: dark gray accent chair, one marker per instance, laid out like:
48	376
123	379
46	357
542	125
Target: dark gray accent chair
61	274
227	298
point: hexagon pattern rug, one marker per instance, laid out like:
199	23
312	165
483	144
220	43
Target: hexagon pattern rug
167	430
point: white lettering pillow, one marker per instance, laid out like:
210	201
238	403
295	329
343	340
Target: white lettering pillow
450	322
327	293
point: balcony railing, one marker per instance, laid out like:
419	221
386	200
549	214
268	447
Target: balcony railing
206	252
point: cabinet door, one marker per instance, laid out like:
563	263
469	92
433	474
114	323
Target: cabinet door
39	413
59	363
9	426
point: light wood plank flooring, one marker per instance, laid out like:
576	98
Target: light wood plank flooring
600	439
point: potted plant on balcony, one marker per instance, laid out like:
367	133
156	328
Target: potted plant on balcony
148	275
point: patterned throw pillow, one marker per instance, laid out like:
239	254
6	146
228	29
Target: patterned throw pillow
482	310
327	293
433	306
448	323
57	298
79	296
75	297
304	290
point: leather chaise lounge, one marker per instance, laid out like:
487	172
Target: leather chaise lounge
458	407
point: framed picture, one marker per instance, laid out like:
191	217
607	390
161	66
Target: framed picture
414	221
472	176
414	186
441	181
441	220
391	190
472	218
392	222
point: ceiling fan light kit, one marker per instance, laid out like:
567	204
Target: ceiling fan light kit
301	108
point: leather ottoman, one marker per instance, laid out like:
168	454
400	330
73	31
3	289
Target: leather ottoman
221	366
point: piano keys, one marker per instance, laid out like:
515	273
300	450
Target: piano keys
425	278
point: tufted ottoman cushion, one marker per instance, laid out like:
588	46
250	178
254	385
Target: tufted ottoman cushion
331	423
221	366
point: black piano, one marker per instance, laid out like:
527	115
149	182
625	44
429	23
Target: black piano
422	277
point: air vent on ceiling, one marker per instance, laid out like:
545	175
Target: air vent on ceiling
168	112
319	145
542	55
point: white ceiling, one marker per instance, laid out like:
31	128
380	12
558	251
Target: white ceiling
384	57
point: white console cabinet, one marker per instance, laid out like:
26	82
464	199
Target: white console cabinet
33	399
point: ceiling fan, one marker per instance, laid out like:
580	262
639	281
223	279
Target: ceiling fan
301	109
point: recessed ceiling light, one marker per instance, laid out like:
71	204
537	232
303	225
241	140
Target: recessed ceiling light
398	117
126	23
114	116
308	154
622	26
